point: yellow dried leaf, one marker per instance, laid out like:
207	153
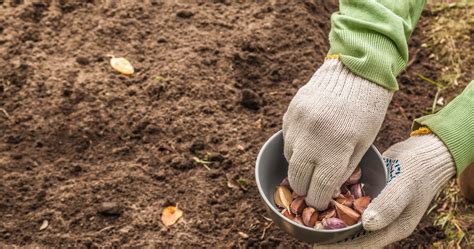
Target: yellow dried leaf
170	215
421	131
122	65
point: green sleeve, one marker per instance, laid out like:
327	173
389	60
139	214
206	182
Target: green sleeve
454	125
371	37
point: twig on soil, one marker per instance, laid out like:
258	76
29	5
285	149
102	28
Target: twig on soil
266	218
6	114
105	229
439	88
202	162
402	111
265	229
142	169
413	59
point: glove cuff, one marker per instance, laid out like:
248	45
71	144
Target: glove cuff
334	79
454	124
429	156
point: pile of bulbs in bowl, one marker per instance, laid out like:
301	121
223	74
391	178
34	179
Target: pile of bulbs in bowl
344	210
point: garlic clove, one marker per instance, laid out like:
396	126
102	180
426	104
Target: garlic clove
297	205
346	214
356	190
287	214
310	216
319	225
361	203
355	177
329	213
282	197
345	200
333	223
298	220
344	189
285	183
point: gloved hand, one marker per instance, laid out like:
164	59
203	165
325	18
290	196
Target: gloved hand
328	127
419	166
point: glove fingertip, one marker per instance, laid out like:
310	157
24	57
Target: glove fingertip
371	220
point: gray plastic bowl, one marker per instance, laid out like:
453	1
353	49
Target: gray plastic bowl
272	168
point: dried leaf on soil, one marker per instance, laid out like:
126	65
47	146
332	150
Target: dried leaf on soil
44	225
170	215
122	65
243	235
440	101
258	124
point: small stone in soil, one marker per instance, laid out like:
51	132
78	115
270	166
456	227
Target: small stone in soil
250	99
82	60
76	169
213	173
184	14
160	176
110	208
17	156
215	157
197	146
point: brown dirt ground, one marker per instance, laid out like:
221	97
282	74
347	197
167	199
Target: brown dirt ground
211	76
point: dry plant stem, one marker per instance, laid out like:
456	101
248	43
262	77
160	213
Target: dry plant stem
105	229
414	56
265	229
435	100
6	114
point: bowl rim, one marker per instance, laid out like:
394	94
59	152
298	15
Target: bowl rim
269	204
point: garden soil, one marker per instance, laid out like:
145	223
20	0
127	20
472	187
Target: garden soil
212	81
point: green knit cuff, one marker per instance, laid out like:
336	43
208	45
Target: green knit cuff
369	55
454	125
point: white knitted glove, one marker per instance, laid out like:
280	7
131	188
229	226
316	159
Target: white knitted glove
328	127
419	166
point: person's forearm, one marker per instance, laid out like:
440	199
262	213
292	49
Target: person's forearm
454	125
371	37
